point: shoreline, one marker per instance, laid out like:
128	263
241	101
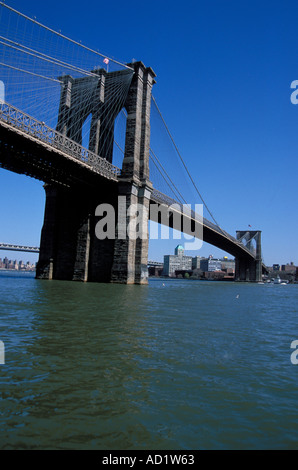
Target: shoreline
18	270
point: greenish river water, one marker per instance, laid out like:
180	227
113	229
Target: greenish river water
177	364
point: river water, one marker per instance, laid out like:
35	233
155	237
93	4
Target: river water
177	364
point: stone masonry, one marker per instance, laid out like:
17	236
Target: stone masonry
69	248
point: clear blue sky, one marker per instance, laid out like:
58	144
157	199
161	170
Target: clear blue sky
224	70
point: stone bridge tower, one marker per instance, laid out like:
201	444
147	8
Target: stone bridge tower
249	270
69	248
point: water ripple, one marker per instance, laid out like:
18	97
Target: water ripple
172	365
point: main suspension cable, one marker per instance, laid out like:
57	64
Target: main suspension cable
62	35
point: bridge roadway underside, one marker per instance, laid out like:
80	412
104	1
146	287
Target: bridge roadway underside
69	248
191	226
26	155
248	268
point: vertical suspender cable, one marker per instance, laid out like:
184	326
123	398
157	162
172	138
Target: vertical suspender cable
183	163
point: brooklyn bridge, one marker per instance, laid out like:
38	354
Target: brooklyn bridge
47	100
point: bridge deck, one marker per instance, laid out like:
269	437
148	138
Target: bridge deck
22	124
27	249
211	233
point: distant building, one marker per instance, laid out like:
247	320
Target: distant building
16	265
210	264
276	267
288	268
176	262
196	262
228	265
179	250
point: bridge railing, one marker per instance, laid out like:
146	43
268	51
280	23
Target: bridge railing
28	249
31	126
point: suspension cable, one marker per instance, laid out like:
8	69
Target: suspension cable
167	175
62	36
183	163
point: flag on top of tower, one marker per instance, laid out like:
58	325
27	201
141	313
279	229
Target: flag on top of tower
106	60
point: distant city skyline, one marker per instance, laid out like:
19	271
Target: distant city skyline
216	254
12	263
